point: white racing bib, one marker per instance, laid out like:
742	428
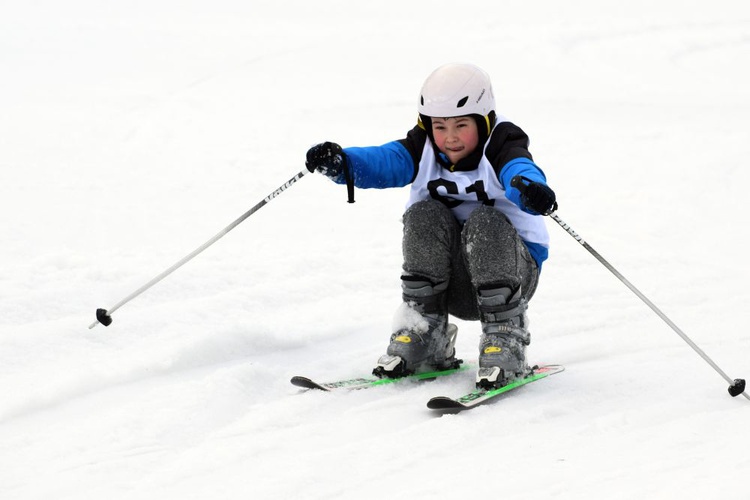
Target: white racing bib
464	192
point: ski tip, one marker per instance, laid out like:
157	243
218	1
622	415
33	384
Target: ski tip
445	403
307	383
480	396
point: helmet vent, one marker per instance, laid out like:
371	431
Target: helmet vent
462	102
422	99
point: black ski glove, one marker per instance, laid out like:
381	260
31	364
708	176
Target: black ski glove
327	158
536	197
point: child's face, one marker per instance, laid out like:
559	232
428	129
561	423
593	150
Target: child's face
455	137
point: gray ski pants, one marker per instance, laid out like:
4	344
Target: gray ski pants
485	253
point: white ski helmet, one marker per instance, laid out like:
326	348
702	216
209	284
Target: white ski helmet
456	90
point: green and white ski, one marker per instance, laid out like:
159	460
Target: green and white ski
372	381
480	396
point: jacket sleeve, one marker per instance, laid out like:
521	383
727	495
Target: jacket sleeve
509	154
393	164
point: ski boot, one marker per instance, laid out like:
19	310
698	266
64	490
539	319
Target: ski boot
423	340
502	347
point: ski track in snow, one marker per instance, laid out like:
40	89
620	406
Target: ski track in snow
132	134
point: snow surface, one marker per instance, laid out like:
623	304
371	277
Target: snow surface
132	132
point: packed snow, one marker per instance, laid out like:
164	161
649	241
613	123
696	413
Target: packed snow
133	132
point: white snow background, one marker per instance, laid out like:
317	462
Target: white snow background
132	132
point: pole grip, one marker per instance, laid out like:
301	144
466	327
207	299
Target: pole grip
522	184
517	182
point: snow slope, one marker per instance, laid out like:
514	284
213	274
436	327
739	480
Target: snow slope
132	132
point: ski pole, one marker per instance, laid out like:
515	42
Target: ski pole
104	316
736	386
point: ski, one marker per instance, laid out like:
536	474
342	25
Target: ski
372	381
480	396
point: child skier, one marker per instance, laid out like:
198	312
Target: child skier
473	244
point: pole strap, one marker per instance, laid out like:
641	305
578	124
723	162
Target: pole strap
349	176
